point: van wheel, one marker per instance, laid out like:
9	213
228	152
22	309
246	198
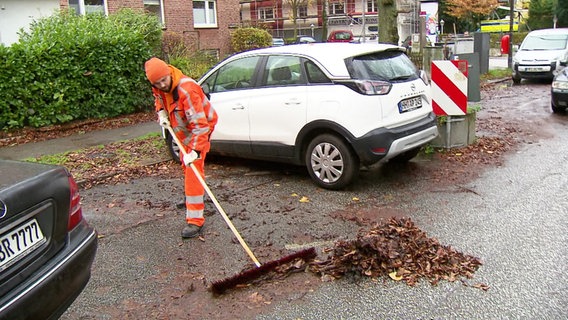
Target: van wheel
556	109
172	148
331	162
516	80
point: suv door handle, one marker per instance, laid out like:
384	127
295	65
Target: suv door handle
292	102
238	107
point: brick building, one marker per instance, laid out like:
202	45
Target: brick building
204	24
358	16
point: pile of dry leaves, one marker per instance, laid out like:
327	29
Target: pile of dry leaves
399	249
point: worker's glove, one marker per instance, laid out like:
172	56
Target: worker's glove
163	118
190	157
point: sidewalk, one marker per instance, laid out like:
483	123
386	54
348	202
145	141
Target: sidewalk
76	142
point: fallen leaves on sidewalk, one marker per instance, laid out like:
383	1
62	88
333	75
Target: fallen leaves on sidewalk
117	162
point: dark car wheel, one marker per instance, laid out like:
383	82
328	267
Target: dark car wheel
331	162
516	80
557	109
406	156
172	148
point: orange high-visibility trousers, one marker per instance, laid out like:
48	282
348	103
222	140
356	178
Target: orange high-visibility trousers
194	192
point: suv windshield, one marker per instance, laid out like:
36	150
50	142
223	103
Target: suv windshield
545	42
389	66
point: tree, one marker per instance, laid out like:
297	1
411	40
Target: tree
451	22
541	14
472	11
294	8
562	14
388	32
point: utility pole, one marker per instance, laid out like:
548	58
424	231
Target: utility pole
363	9
511	23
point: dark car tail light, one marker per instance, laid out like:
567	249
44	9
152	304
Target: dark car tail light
75	210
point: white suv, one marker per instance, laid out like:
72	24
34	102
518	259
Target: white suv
329	106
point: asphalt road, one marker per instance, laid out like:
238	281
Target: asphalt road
513	217
516	221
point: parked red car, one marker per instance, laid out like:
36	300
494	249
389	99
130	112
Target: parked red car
340	36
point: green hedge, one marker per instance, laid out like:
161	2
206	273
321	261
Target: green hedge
70	67
249	38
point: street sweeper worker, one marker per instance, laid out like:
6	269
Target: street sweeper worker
182	105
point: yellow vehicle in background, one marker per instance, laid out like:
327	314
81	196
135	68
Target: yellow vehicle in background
501	25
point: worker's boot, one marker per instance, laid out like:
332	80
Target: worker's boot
181	204
190	231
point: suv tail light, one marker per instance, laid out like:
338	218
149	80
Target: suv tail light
424	77
370	87
75	210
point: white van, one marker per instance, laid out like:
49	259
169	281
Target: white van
541	53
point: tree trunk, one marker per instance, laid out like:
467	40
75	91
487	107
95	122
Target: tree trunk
388	31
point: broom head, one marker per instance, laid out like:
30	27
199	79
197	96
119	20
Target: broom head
219	287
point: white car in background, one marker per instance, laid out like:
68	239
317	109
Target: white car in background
541	53
331	107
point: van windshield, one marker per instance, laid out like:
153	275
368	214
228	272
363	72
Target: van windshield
545	42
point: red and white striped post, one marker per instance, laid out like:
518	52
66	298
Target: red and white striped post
449	90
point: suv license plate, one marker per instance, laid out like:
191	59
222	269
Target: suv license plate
19	242
410	104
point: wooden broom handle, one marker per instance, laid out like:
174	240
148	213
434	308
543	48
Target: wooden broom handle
210	194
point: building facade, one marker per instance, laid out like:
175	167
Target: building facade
316	17
203	24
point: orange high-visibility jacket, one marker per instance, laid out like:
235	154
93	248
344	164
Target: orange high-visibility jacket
191	115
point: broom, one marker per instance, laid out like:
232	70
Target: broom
221	286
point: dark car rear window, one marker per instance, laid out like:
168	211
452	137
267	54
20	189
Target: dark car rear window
389	66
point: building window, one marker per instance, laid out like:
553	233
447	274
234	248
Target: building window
155	7
371	6
302	11
337	7
83	7
204	13
265	13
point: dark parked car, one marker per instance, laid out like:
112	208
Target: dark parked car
46	246
559	91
